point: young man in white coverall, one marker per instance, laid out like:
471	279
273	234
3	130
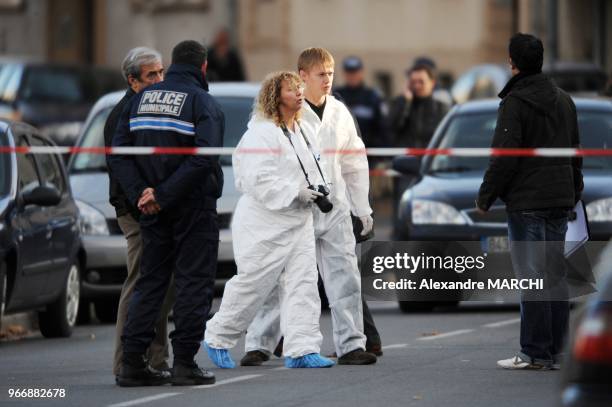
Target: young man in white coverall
332	128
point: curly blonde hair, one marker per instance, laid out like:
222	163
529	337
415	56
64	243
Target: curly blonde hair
268	101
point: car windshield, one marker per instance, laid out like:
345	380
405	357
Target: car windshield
476	131
236	110
93	137
44	84
10	76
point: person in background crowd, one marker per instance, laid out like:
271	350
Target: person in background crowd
415	114
364	103
141	67
177	195
443	80
224	62
539	193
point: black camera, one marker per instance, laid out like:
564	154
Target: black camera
322	202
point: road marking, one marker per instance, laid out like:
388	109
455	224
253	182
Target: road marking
228	381
396	346
145	400
166	395
503	323
280	368
445	335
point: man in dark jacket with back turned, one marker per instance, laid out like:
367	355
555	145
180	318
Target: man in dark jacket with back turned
177	195
539	193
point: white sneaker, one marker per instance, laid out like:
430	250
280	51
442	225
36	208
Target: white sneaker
516	363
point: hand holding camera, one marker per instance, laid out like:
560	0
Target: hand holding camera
322	201
308	195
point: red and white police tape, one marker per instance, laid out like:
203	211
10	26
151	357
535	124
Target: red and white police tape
372	152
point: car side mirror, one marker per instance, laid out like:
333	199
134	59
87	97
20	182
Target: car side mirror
42	196
406	165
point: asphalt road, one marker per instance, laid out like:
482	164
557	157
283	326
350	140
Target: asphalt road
437	359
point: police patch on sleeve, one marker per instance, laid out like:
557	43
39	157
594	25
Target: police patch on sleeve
162	102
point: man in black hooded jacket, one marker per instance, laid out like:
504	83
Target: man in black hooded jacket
539	193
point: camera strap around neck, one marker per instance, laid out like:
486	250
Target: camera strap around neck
288	135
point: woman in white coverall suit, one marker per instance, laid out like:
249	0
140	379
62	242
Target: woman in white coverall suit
272	230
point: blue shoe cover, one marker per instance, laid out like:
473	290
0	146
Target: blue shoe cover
220	357
311	360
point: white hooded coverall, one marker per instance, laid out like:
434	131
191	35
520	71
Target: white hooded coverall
273	240
347	171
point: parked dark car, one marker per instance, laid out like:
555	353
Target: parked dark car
487	80
587	371
436	202
53	97
40	246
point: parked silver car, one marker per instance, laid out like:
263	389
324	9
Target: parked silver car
104	243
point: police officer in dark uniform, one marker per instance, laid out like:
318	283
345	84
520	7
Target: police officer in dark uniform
177	195
365	104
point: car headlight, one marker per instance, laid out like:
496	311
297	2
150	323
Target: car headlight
435	213
93	222
600	210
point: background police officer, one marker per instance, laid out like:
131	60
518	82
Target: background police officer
364	103
177	196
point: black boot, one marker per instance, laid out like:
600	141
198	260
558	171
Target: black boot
135	372
254	358
189	374
357	357
375	348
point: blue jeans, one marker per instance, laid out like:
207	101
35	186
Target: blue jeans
545	314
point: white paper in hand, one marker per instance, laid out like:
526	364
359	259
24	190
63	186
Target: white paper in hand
577	230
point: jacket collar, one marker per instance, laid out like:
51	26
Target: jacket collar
512	82
188	73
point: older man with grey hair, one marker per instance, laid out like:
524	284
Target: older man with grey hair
141	67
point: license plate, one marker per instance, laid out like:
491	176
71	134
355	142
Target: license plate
495	244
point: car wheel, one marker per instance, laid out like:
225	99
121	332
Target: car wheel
59	318
106	310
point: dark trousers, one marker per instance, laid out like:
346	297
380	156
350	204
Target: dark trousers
545	313
369	328
185	241
157	353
